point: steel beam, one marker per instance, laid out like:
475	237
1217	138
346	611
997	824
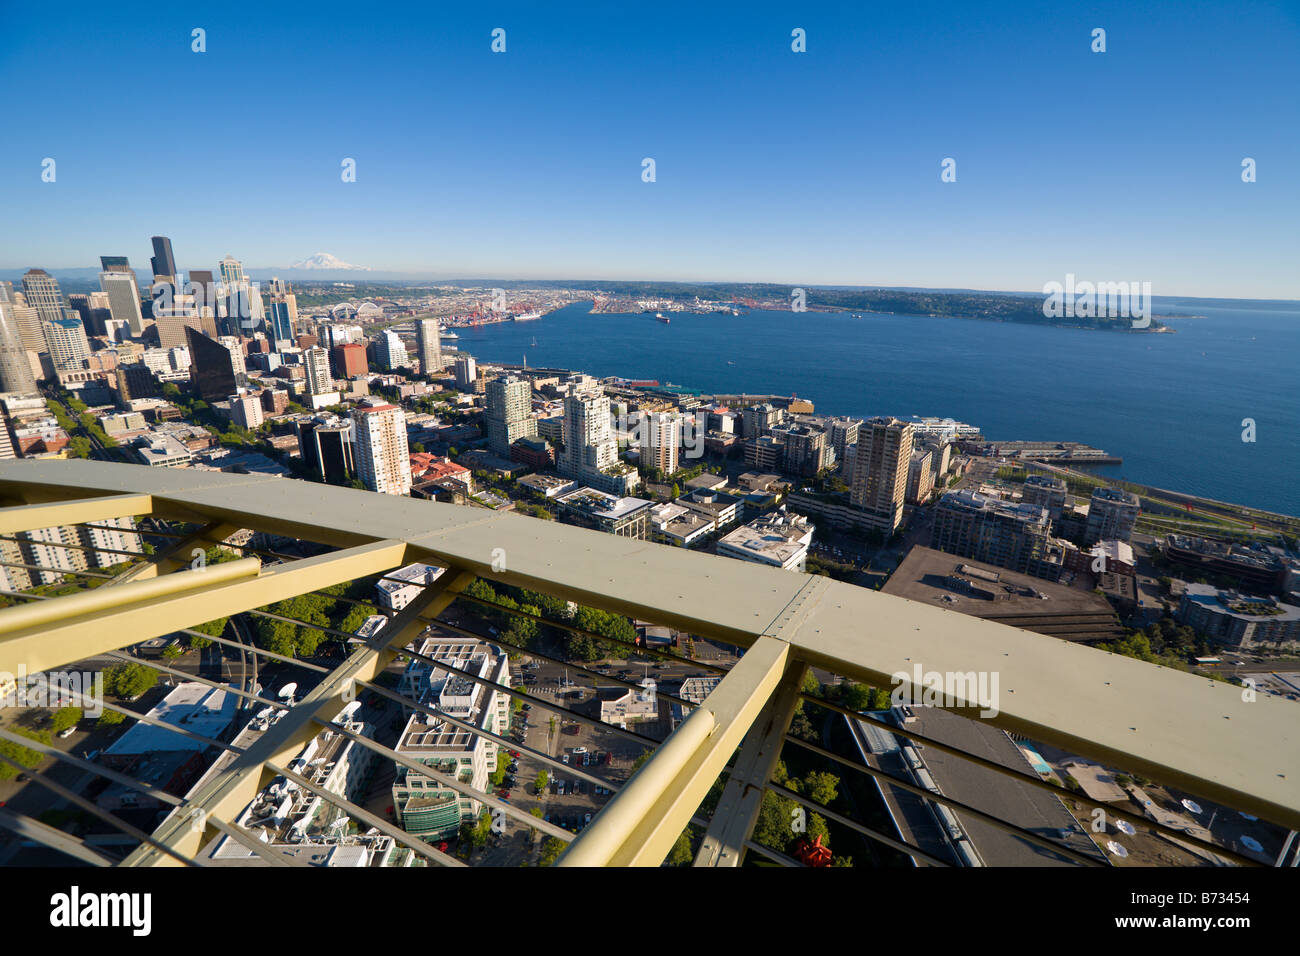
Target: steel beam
641	824
742	795
164	607
58	513
225	791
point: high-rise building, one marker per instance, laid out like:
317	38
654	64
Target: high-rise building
382	455
325	444
66	341
466	373
880	463
590	449
15	370
232	271
212	367
757	420
391	351
172	327
135	380
246	410
124	295
994	531
1046	491
279	325
163	262
661	441
428	346
319	378
1112	513
509	413
42	292
920	476
28	321
349	360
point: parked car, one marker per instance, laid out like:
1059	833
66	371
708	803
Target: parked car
65	734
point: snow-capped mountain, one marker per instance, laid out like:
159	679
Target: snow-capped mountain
324	262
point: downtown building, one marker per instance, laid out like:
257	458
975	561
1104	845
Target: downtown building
428	346
509	414
1012	536
590	452
423	803
1112	513
880	466
379	443
325	446
118	283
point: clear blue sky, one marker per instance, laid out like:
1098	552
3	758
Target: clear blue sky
820	167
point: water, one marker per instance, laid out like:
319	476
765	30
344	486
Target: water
1170	405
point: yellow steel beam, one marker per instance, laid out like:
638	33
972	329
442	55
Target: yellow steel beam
57	513
639	826
179	554
165	609
226	790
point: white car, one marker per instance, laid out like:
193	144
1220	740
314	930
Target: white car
65	734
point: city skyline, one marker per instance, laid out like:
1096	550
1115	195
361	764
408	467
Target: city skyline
814	168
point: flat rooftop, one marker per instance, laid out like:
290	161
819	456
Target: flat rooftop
1073	614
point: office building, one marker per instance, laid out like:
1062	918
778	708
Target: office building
325	445
42	293
509	414
428	346
120	286
133	381
163	261
1240	621
1112	513
390	351
422	803
756	420
612	514
779	540
396	589
212	367
15	368
349	360
880	464
380	447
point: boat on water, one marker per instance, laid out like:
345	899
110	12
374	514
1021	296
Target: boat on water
528	316
534	342
447	334
662	318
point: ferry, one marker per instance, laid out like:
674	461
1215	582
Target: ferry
662	318
528	316
445	334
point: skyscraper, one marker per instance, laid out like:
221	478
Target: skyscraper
212	367
509	412
232	271
279	324
66	341
1112	513
119	284
383	458
884	452
319	380
43	294
390	351
164	263
466	373
428	346
15	369
325	444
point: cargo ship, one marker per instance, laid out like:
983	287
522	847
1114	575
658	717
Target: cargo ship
662	318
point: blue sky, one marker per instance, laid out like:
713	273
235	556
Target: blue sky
820	167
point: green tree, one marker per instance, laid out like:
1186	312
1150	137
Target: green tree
681	854
129	680
109	718
25	756
64	718
543	779
551	851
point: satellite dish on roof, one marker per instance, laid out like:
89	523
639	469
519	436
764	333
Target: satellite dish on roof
288	690
1192	805
1115	848
1123	826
